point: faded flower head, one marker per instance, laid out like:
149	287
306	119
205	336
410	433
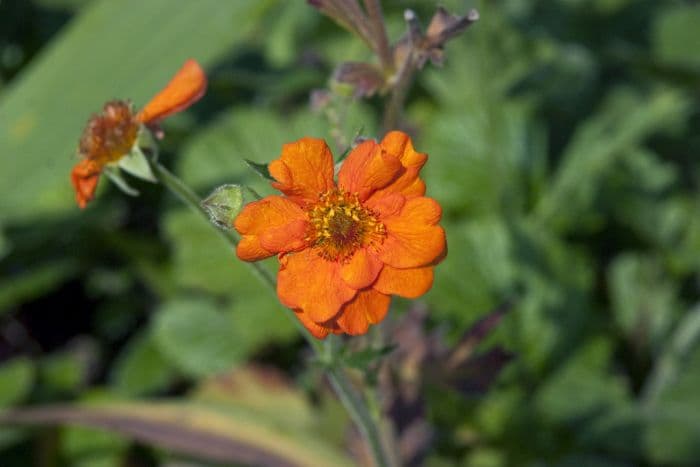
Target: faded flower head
344	248
109	136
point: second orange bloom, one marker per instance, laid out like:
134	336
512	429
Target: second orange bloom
111	135
344	248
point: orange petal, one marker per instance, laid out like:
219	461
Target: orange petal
413	238
398	144
84	177
319	331
368	307
185	88
367	169
270	226
361	270
386	206
409	283
304	170
309	282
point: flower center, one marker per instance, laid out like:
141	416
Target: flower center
340	225
110	135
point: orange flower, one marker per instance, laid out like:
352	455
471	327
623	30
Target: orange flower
111	135
344	248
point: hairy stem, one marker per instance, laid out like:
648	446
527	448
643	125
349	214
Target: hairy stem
359	413
354	404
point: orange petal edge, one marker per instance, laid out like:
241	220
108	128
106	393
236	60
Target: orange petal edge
185	88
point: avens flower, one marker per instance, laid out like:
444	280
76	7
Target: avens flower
113	134
344	248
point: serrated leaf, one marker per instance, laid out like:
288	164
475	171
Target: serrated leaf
223	205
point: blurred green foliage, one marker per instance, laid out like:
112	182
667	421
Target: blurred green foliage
563	148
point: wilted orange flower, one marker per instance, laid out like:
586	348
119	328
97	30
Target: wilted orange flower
111	135
344	248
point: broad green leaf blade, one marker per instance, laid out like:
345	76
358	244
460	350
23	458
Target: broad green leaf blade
676	37
141	368
16	379
115	48
191	429
197	337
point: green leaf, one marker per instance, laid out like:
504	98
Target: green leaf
625	121
205	263
87	447
197	337
5	246
260	169
587	375
114	48
67	370
673	436
643	299
141	368
16	379
673	358
676	37
223	205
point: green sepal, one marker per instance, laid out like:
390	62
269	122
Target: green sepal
116	177
223	205
136	164
147	143
260	169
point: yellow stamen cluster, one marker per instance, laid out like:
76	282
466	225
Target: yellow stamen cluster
109	135
340	224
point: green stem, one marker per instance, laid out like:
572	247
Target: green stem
347	395
359	413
